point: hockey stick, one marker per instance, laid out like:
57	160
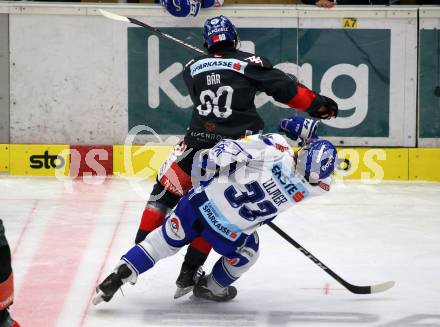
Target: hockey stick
151	28
352	288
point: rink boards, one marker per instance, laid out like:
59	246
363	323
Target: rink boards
369	164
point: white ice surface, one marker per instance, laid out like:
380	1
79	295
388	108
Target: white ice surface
366	233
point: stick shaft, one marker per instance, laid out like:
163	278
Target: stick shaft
165	35
351	288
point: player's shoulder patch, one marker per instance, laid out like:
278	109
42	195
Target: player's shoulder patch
257	60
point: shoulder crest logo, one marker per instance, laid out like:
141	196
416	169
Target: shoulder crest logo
255	60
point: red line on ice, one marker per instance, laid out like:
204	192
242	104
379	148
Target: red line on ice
104	262
47	282
26	224
326	288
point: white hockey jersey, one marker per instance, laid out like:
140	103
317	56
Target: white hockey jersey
263	185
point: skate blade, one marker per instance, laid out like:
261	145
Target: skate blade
182	291
98	298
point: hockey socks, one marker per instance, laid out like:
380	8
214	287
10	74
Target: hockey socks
6	278
197	252
6	292
6	282
151	219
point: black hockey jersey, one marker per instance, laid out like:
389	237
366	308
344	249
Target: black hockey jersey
222	87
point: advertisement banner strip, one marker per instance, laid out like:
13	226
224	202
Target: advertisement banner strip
139	161
365	164
4	158
423	164
86	160
39	160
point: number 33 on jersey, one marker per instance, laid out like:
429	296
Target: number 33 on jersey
264	184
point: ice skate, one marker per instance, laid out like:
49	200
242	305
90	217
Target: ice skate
188	277
202	291
113	282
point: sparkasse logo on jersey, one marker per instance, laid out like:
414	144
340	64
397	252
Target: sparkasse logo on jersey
46	161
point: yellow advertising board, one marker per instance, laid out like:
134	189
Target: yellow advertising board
372	164
39	160
138	160
144	162
424	165
4	158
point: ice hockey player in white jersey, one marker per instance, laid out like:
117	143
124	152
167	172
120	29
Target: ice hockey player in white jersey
255	179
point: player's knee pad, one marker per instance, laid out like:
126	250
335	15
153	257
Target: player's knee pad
7	292
228	269
144	255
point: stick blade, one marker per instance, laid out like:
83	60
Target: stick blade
382	287
113	16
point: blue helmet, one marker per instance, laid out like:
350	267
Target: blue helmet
218	29
316	160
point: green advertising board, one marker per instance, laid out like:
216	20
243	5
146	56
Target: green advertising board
429	81
353	66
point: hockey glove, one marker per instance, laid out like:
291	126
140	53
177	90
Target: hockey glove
182	8
323	107
297	127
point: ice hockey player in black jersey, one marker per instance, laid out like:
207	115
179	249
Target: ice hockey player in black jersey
6	281
222	85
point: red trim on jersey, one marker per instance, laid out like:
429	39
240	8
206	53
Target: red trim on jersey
7	292
151	219
201	245
303	98
176	181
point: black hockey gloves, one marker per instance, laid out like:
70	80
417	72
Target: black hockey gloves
323	107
